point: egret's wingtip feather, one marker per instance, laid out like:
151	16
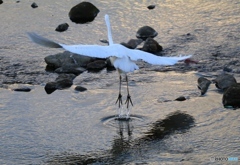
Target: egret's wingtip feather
42	41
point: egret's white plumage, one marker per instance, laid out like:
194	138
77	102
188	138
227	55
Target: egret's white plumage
121	57
112	50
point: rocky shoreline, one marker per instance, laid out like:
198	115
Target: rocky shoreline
62	68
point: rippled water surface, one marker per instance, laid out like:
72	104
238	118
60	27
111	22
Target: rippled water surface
69	127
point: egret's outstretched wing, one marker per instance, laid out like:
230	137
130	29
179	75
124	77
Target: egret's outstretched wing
153	59
43	41
97	51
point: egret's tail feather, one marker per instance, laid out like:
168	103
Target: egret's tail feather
43	41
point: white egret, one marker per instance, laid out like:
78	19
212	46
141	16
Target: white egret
122	58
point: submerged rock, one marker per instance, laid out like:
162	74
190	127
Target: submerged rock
224	81
151	46
63	81
145	32
62	27
176	121
231	96
203	84
83	12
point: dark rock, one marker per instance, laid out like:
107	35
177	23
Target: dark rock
34	5
97	65
71	68
1	1
132	43
224	81
17	1
231	96
63	81
145	32
150	7
181	98
23	89
203	84
81	89
151	46
226	69
104	41
109	65
83	12
62	27
67	58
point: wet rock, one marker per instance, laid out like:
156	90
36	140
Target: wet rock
70	68
67	58
231	96
22	89
83	12
104	41
34	5
132	43
1	2
96	65
151	46
203	84
145	32
224	81
150	7
80	88
227	69
62	27
63	81
181	98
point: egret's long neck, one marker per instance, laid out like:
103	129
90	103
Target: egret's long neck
110	40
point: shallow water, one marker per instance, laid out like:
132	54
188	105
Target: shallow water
69	127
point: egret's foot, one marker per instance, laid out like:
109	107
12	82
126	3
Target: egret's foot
119	100
128	100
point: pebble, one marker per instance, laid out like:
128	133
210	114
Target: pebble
62	27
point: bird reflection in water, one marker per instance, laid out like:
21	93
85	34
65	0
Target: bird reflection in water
127	149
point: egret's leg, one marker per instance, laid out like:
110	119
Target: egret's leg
128	96
119	99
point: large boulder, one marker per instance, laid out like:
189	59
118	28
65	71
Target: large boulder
83	12
67	58
231	96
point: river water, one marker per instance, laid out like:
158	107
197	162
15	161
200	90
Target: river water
69	127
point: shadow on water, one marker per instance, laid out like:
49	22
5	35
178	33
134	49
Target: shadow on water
127	149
